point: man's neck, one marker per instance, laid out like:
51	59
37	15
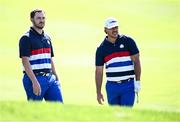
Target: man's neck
40	31
112	40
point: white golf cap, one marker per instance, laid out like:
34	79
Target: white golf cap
111	22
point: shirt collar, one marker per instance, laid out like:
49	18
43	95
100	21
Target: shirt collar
35	32
108	42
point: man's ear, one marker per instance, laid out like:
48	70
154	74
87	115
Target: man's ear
31	19
105	30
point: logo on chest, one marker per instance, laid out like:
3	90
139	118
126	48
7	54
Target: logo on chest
46	41
121	46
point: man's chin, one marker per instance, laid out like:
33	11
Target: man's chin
39	27
115	36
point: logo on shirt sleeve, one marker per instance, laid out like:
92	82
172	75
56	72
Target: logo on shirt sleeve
48	42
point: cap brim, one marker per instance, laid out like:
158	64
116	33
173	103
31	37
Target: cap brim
112	26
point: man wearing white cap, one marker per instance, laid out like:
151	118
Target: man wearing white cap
120	55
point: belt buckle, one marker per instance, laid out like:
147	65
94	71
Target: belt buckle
47	74
43	73
119	81
40	73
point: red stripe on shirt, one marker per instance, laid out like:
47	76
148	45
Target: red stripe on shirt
116	54
40	51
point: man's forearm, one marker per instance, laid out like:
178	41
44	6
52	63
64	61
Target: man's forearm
28	69
53	70
99	78
137	70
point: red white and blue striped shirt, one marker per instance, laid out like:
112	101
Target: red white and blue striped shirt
38	48
117	58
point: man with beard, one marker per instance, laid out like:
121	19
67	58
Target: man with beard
35	49
120	55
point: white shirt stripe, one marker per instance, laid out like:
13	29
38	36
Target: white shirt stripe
41	66
120	69
118	59
40	56
115	79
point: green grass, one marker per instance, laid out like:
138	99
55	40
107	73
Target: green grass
76	29
21	111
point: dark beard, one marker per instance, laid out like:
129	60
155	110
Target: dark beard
38	27
114	37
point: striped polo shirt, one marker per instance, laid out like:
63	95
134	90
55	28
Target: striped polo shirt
117	58
38	48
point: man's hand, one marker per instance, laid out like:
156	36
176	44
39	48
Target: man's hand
137	69
36	88
99	78
29	72
100	98
137	86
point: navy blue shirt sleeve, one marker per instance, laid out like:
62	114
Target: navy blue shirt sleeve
133	47
52	52
99	57
24	47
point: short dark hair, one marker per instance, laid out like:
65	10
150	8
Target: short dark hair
32	14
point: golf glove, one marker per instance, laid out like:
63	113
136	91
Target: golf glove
137	86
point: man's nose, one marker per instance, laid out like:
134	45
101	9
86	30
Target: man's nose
42	20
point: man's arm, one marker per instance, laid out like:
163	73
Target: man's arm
99	79
53	69
137	70
29	72
137	66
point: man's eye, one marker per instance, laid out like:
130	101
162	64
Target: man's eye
40	17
